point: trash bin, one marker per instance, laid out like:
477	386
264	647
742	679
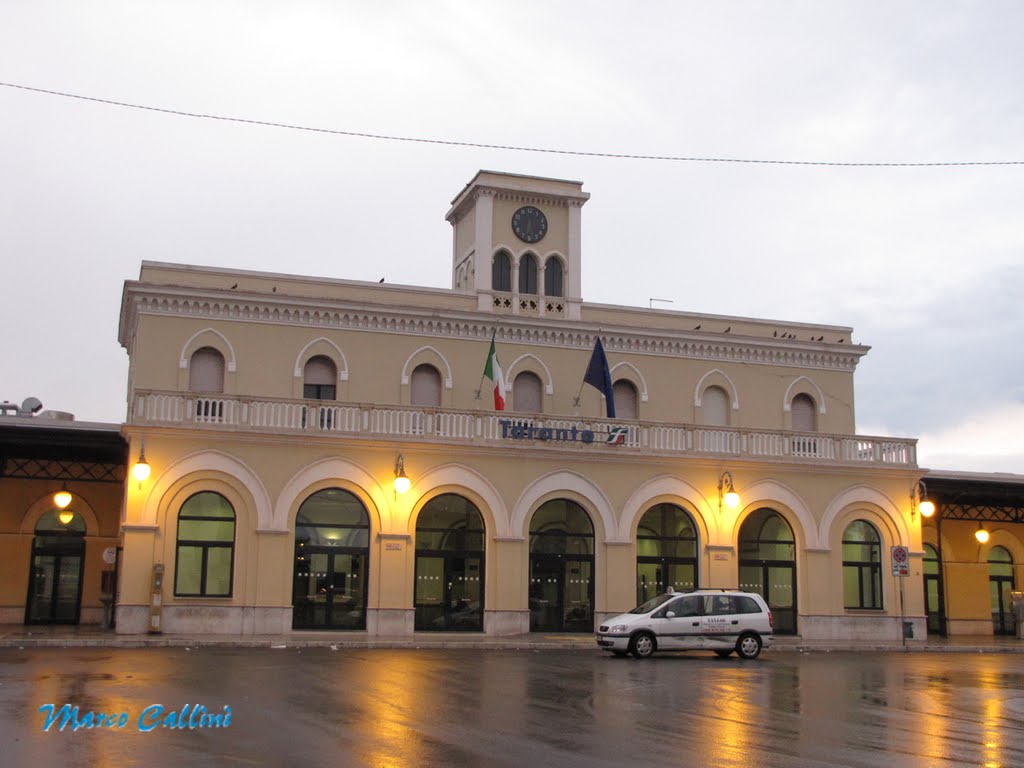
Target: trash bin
908	630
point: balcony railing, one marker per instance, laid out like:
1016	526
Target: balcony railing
476	427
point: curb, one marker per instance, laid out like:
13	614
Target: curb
517	643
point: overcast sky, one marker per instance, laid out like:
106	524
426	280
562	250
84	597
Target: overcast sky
927	264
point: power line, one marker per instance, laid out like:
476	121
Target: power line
507	147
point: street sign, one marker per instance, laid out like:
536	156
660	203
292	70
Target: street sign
900	561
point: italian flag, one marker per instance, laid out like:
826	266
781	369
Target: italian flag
493	372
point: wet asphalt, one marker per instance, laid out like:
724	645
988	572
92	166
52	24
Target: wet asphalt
474	707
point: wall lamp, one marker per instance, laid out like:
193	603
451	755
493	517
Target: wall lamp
919	501
726	492
402	482
981	534
141	469
62	499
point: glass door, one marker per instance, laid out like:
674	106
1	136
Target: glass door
546	577
933	604
55	590
449	593
329	590
577	605
776	583
999	588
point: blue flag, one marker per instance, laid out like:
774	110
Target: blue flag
599	377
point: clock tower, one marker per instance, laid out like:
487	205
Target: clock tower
516	244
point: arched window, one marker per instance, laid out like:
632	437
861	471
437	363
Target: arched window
425	386
1000	584
320	379
332	535
666	552
714	407
768	565
206	374
561	568
449	565
206	371
526	393
626	399
205	552
804	413
553	277
528	274
58	559
862	566
501	272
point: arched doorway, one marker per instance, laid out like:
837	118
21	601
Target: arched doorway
768	565
449	565
561	568
1000	584
55	580
666	552
933	602
332	534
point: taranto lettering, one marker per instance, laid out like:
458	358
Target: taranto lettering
519	430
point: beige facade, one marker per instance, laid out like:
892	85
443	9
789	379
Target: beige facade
766	404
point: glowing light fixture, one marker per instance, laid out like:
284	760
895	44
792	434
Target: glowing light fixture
65	516
726	492
62	497
402	482
981	534
141	469
919	501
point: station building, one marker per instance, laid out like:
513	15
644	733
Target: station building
276	413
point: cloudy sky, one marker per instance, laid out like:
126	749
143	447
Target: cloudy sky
926	263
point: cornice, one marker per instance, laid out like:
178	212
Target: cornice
527	197
431	322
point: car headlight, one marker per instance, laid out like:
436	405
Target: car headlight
619	628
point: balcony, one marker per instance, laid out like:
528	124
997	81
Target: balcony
486	428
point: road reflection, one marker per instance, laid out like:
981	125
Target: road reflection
504	708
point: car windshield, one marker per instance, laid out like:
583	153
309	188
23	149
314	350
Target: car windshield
653	603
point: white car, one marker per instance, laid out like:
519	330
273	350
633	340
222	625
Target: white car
718	620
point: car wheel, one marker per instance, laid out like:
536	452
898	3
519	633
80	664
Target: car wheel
642	645
725	654
749	646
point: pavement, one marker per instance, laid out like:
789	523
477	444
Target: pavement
22	636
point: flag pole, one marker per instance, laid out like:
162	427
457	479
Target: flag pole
483	375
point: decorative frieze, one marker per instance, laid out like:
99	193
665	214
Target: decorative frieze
526	330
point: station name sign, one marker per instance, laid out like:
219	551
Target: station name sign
520	430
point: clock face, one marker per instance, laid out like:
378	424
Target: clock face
529	224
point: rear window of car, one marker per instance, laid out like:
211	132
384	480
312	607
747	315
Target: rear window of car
746	605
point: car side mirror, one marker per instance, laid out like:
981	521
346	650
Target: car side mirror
670	614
